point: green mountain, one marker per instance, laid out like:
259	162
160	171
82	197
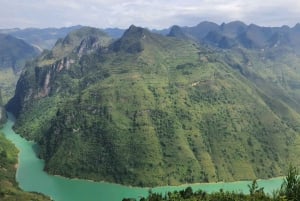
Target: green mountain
238	34
46	38
151	110
13	55
14	52
40	38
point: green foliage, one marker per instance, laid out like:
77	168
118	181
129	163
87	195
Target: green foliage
253	188
289	191
290	188
189	195
150	110
8	81
9	190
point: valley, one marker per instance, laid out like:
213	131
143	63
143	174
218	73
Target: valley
30	176
9	188
13	55
148	109
204	104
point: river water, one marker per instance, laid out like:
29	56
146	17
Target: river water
31	177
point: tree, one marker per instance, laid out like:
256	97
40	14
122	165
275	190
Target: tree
290	187
253	187
256	193
187	193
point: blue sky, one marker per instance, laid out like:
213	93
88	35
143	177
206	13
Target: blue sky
151	13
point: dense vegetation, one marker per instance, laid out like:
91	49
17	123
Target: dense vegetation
289	191
189	195
9	190
14	52
152	110
8	81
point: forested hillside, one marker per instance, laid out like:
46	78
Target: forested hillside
152	110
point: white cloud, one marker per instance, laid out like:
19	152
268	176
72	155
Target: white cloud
152	13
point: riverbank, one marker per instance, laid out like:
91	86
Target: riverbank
31	177
9	189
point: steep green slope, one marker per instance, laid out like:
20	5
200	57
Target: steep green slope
8	82
151	110
40	38
45	38
9	189
275	72
14	52
13	55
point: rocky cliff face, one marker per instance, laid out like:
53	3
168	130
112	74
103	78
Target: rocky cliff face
152	110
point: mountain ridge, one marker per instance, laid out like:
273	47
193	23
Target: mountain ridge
13	55
237	33
45	38
14	52
148	110
198	32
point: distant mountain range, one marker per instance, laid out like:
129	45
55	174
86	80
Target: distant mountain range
21	45
15	52
238	34
226	35
40	38
47	37
199	104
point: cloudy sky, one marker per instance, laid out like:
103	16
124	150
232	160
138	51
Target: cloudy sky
146	13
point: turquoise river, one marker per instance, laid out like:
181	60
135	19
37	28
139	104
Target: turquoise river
31	177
